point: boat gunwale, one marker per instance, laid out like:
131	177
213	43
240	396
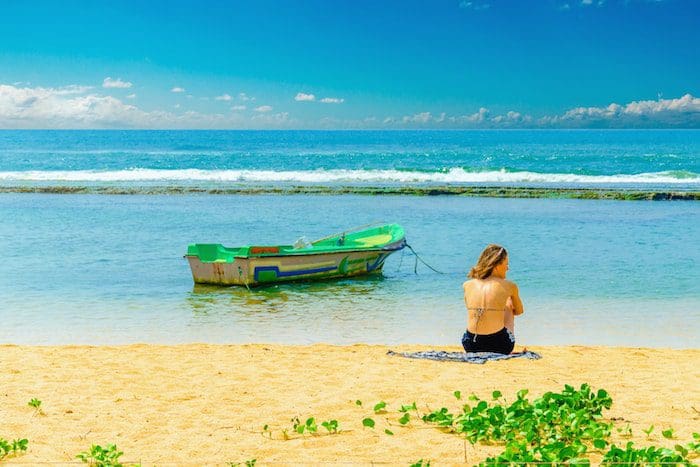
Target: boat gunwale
401	245
395	243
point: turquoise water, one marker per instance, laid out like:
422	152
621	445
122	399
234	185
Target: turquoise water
109	269
627	158
104	269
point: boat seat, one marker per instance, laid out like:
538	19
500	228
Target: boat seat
373	240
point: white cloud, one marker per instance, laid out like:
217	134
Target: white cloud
69	107
131	96
64	107
301	97
224	97
76	106
177	89
682	112
511	119
245	97
68	90
423	117
332	100
586	3
278	119
479	117
115	83
473	5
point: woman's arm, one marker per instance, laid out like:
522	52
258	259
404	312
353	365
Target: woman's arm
515	297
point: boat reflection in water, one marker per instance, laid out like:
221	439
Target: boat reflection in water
289	298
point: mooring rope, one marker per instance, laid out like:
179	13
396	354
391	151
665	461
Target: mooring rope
415	267
400	260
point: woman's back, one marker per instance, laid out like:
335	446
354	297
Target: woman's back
486	301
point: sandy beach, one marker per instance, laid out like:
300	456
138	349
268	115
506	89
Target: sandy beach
202	404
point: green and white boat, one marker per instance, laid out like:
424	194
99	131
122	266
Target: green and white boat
350	253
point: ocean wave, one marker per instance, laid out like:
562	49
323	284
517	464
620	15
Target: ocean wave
453	175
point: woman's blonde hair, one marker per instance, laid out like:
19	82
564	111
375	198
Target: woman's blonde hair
488	260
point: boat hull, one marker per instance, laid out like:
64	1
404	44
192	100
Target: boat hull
264	270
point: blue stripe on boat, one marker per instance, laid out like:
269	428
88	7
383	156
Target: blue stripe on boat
299	272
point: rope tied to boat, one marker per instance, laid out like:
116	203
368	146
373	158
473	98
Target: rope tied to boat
418	258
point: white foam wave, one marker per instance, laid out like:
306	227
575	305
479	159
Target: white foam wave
454	175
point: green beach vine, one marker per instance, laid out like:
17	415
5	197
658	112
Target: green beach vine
556	428
12	448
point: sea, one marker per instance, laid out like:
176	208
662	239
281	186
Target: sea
80	265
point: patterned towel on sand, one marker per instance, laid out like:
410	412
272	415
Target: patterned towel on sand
472	357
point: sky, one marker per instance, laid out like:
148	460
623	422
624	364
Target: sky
357	64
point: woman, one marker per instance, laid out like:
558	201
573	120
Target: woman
492	303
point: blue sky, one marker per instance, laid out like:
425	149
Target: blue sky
350	64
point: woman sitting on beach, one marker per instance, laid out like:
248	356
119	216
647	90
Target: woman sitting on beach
492	303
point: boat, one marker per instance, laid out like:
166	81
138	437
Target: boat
354	252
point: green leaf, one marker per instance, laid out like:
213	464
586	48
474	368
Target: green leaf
379	407
406	408
405	419
600	443
389	432
358	402
668	434
683	451
368	422
331	426
578	461
457	394
496	395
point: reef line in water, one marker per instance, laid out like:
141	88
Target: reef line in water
473	191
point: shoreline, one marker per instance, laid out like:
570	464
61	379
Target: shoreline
208	403
618	194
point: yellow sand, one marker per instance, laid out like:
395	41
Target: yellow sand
207	404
